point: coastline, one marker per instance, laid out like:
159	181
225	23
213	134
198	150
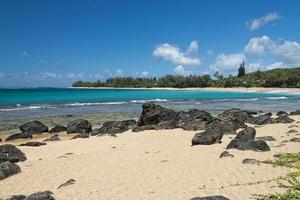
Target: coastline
236	89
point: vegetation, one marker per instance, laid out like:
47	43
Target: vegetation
291	160
242	70
284	78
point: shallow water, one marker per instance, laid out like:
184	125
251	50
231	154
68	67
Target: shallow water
16	103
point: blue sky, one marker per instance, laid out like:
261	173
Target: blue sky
53	43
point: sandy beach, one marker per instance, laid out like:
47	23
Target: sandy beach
152	164
234	89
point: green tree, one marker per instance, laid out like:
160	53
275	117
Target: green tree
242	70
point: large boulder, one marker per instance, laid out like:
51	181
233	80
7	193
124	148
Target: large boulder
210	136
57	129
33	127
18	136
154	114
164	118
245	140
210	198
79	126
9	152
261	119
7	169
296	112
114	127
236	117
193	120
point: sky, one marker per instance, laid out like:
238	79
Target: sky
52	43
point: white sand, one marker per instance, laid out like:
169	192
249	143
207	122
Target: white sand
234	89
148	165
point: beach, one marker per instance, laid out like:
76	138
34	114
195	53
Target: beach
151	164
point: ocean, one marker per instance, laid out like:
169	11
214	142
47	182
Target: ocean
62	101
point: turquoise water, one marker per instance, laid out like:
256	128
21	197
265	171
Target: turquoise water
68	100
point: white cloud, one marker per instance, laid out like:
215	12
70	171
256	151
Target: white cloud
49	76
74	76
2	75
229	62
176	56
193	48
252	67
259	45
145	73
119	72
181	70
44	62
276	65
289	52
24	53
210	52
256	24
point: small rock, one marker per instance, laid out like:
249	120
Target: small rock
250	161
18	197
293	126
81	135
9	152
226	154
33	144
292	131
18	136
282	113
69	182
7	169
210	198
33	127
57	129
52	138
266	138
295	140
46	195
296	112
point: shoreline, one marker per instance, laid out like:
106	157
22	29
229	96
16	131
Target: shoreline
236	89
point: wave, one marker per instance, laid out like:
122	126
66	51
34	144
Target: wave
23	108
149	100
95	104
276	98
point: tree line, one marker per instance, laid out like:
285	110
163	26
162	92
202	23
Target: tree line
273	78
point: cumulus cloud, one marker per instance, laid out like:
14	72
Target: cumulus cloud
119	72
184	61
227	62
181	70
257	23
288	52
145	73
259	45
177	56
276	65
74	76
252	67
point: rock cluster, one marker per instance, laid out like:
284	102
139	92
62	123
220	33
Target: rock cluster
245	140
